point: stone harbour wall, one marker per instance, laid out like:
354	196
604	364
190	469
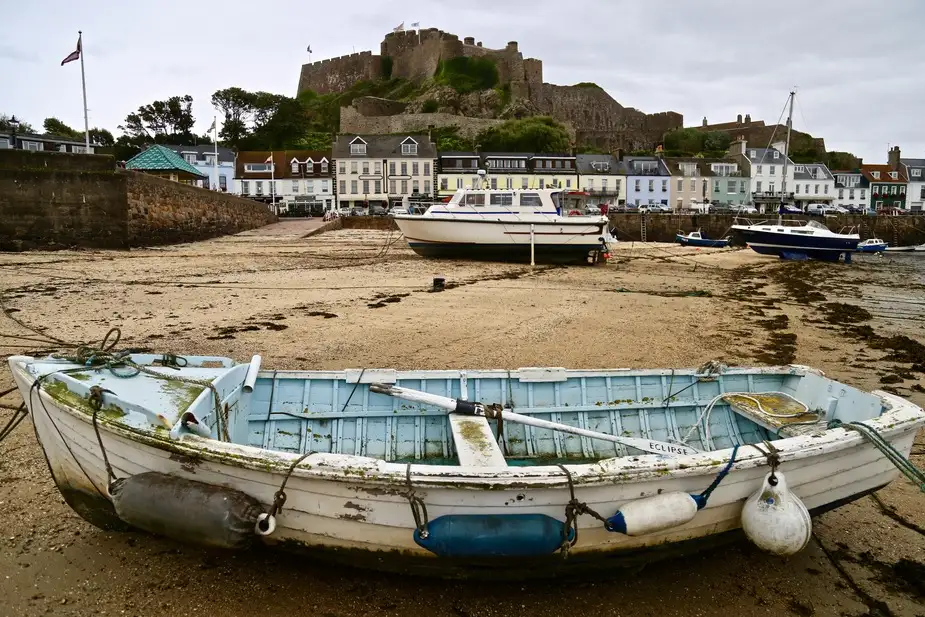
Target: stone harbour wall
54	200
165	212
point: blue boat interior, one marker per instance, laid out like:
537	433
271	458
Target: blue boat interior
336	412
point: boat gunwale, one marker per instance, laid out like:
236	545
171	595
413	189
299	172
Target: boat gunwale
901	416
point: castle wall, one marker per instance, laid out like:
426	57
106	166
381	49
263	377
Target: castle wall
353	122
338	74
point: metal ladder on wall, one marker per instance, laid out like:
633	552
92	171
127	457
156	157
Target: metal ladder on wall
642	228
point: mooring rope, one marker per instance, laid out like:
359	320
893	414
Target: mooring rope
905	466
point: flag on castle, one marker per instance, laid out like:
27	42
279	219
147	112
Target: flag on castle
74	55
399	27
416	24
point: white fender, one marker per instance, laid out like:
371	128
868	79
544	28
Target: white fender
655	513
775	519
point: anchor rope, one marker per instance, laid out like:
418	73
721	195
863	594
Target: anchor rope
418	507
574	509
904	465
279	497
18	416
772	455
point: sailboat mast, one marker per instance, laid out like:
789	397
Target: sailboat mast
783	186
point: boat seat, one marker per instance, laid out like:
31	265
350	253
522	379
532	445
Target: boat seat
774	403
476	445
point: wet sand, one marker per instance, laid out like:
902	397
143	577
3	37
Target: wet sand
356	298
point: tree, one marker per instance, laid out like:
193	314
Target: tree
535	134
53	126
717	140
280	122
684	141
24	127
170	120
236	105
101	137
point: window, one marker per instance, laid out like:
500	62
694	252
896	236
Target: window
758	169
568	183
915	173
637	185
850	193
392	169
806	189
378	186
693	185
894	174
404	187
190	157
680	185
365	167
415	187
271	187
493	183
742	186
651	185
342	168
770	187
816	189
245	188
210	159
427	187
404	168
309	186
444	182
377	168
295	167
875	174
797	192
863	194
343	187
257	168
392	190
773	167
893	190
501	199
475	199
558	164
798	169
509	182
459	183
366	187
353	187
664	186
409	147
752	153
879	204
841	193
825	189
731	186
542	183
776	155
295	186
353	167
758	186
426	169
223	183
922	193
258	184
358	146
524	182
324	167
414	168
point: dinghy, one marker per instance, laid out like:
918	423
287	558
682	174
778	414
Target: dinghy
470	473
696	238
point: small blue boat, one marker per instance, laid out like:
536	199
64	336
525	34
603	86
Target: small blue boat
872	245
696	238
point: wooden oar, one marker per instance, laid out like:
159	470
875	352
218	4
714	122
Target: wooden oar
478	409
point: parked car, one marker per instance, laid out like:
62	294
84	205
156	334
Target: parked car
398	210
816	209
358	212
788	209
746	209
835	210
344	211
654	209
377	211
592	210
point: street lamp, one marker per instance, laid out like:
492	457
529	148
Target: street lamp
14	124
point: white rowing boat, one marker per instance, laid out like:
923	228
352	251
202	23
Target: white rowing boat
376	470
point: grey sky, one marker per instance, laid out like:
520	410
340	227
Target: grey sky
859	70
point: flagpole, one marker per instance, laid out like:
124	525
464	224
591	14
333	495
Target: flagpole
83	83
273	182
215	160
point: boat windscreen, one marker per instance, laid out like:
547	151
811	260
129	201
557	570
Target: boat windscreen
816	225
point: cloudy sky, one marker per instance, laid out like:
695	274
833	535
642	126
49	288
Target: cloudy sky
858	65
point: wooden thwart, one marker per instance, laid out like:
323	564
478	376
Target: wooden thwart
475	442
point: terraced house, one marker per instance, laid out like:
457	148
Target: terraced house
812	183
602	177
505	170
648	181
383	169
915	191
887	185
690	181
852	190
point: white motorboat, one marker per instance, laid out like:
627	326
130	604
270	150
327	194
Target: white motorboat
812	239
506	225
413	470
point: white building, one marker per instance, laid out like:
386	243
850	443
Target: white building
915	190
296	179
602	177
852	190
383	169
203	159
812	183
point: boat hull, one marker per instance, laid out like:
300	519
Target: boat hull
701	242
355	509
778	244
554	241
876	248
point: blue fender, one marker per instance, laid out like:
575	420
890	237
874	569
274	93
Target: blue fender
493	535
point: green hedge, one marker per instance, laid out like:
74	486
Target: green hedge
465	74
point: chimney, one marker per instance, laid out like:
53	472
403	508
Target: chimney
748	118
739	119
469	40
893	157
705	123
479	44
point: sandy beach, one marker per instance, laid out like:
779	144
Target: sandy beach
361	298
